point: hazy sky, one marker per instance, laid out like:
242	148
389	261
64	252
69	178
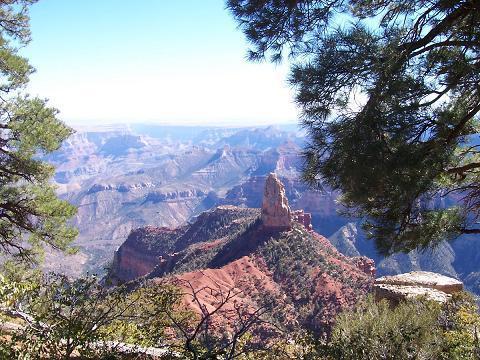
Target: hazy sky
175	61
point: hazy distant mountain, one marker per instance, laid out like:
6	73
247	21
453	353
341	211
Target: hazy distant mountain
350	239
126	177
193	135
121	178
261	139
218	136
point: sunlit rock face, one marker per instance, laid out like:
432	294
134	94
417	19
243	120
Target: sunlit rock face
431	285
276	213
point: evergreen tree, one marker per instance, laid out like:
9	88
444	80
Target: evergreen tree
390	95
31	215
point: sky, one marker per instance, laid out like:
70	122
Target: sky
155	61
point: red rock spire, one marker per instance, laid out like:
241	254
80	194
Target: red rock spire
276	213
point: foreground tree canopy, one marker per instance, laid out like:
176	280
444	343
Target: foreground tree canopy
30	213
390	95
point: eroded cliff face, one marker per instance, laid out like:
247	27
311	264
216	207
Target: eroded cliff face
130	263
140	253
150	247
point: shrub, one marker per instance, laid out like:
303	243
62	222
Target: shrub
461	322
415	329
374	330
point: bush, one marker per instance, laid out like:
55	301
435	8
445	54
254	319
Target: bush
461	322
415	329
61	318
376	331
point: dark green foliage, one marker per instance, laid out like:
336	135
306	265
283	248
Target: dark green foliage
376	331
192	243
232	233
389	95
154	242
193	259
295	254
29	208
415	329
298	262
290	255
215	224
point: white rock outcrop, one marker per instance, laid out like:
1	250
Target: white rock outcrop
431	285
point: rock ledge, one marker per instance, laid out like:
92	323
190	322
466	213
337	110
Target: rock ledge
416	283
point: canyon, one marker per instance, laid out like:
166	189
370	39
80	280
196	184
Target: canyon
267	255
127	177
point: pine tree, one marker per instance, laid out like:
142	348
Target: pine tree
390	95
31	215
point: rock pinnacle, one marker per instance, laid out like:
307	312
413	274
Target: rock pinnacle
276	213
